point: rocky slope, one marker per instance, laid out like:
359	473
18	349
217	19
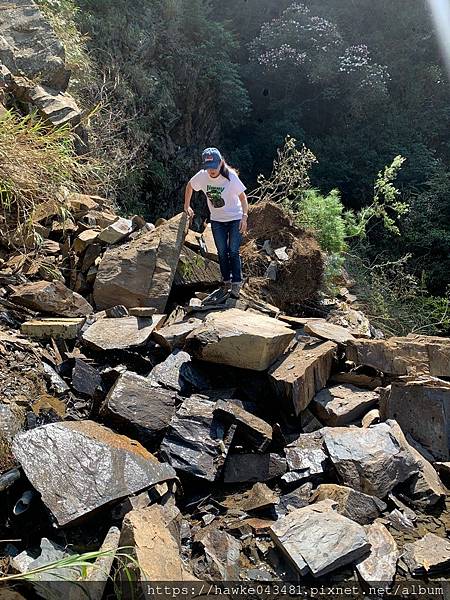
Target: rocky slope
219	443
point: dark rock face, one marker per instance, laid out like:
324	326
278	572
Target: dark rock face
197	442
80	467
179	373
254	429
251	468
141	409
355	505
85	379
52	297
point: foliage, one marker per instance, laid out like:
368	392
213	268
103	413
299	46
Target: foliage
36	163
393	299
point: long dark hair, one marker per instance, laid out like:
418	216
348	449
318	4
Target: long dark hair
225	170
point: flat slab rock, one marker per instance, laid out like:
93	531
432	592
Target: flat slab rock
430	554
141	271
120	334
51	297
371	460
78	467
354	505
174	336
306	455
179	373
141	409
251	468
343	404
297	376
197	442
222	554
254	429
411	355
328	331
319	540
422	409
240	339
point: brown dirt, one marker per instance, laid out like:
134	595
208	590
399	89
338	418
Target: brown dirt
300	277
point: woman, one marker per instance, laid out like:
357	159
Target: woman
227	203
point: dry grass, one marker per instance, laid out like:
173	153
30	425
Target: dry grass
37	163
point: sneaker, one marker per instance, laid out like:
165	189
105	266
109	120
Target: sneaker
235	290
218	296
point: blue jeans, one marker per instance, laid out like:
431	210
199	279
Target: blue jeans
227	238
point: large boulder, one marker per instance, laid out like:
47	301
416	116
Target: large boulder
51	297
141	272
370	460
28	45
411	355
297	376
240	339
78	467
422	409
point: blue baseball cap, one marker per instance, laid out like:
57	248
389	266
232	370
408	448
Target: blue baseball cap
211	158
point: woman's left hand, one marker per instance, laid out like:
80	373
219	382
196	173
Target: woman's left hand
243	225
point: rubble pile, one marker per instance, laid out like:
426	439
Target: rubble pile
218	442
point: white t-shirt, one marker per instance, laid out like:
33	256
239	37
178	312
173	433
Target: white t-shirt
222	195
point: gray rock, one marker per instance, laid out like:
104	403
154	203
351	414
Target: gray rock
354	505
56	107
298	498
117	312
255	430
120	334
251	468
51	297
342	404
319	540
328	331
174	336
49	553
141	409
86	380
222	554
381	563
116	232
422	409
197	442
29	46
141	271
369	460
430	554
56	383
306	455
179	373
81	466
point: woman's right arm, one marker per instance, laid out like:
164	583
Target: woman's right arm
187	200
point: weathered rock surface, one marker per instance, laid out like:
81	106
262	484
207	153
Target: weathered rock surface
116	232
257	497
361	380
51	297
381	563
222	553
81	466
197	442
371	460
240	339
86	380
328	331
29	45
179	373
411	355
422	409
155	546
355	505
342	404
141	409
119	334
141	272
318	539
174	336
424	488
49	552
251	468
67	329
85	239
256	431
54	106
430	554
196	271
300	374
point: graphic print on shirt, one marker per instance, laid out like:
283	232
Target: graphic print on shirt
214	195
